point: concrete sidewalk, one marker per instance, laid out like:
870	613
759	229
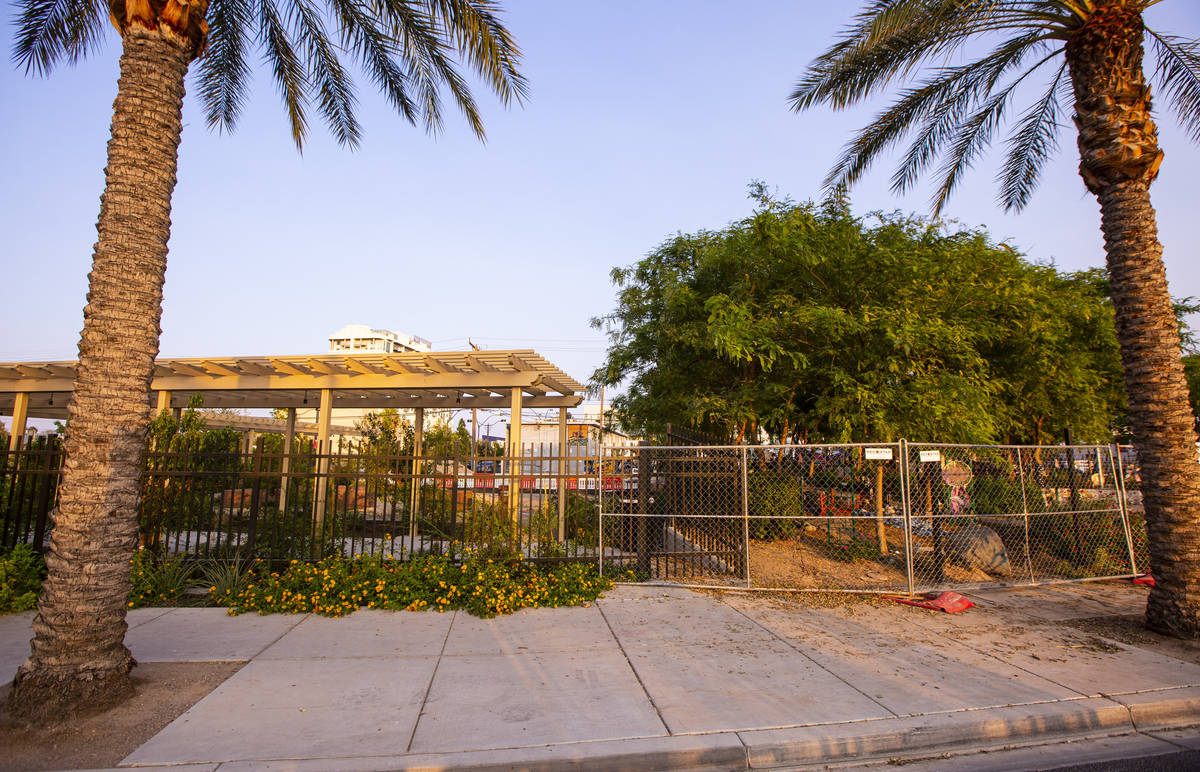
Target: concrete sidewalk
656	678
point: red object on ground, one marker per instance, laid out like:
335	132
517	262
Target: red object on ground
948	601
1145	579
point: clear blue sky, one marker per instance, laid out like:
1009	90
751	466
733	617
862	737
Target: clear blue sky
645	119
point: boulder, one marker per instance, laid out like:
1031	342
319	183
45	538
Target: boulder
977	546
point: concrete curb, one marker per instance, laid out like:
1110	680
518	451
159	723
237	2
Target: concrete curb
935	732
1162	709
818	744
719	751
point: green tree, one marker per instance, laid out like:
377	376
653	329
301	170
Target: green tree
386	433
408	48
805	324
1091	53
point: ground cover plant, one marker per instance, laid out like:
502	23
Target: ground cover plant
481	586
334	586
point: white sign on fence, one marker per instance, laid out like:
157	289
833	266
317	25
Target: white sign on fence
930	455
879	454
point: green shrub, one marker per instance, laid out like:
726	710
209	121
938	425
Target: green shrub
225	579
1002	495
21	573
776	499
853	551
158	582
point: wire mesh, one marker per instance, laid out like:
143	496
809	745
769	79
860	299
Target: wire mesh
883	517
986	516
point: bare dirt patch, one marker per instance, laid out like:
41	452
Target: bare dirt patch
1132	631
800	563
162	691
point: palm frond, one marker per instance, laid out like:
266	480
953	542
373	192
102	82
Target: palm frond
48	30
410	49
425	52
892	38
224	71
1034	141
958	89
479	33
975	133
972	135
1178	74
287	69
335	92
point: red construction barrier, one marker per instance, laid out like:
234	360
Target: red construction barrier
948	601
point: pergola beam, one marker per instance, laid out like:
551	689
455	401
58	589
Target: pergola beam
478	379
216	368
289	368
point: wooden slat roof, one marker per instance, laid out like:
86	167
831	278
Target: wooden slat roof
368	380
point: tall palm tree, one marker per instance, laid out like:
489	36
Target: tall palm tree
1089	56
411	49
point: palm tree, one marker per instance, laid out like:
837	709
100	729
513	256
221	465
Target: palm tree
1089	52
411	49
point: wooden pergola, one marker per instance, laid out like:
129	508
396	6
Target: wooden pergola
460	379
513	379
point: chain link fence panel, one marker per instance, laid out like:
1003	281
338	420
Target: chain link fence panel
880	517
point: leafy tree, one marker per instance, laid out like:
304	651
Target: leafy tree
386	432
408	48
804	324
1191	369
1090	52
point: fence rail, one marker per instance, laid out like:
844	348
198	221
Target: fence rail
878	517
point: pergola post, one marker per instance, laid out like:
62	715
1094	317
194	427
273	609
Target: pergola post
323	450
19	417
285	464
418	449
564	454
514	454
164	402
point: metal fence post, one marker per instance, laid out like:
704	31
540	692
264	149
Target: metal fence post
745	517
1025	512
642	525
906	509
1123	503
600	500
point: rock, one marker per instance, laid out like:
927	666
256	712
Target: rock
977	546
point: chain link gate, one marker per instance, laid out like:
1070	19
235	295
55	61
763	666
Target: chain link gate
866	517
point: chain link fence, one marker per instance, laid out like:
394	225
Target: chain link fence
880	517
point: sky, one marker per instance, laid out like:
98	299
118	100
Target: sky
645	119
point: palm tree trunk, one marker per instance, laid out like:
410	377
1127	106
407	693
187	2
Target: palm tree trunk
1159	411
78	661
1119	158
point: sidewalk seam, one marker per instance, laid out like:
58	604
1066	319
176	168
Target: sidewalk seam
279	637
429	687
632	669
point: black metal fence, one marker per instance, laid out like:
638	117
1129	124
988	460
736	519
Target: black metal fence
304	505
28	489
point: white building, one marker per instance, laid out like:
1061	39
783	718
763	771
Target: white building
359	338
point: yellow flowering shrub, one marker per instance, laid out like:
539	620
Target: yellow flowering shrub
338	586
